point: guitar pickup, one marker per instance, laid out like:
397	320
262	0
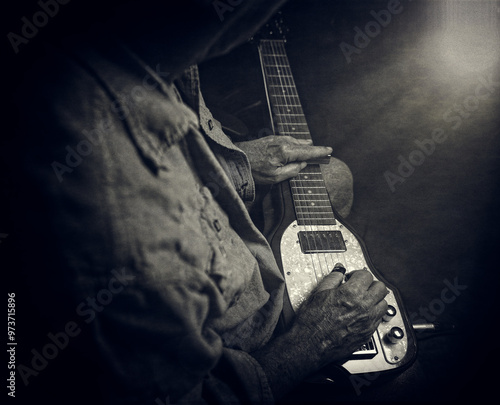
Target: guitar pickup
321	242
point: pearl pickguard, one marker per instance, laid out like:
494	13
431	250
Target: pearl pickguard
304	271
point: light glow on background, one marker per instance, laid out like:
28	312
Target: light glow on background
466	35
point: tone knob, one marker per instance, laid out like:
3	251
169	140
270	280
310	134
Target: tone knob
395	334
389	314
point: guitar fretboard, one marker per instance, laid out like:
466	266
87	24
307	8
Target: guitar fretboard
310	197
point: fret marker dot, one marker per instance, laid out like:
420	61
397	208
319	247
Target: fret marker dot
309	191
313	203
306	177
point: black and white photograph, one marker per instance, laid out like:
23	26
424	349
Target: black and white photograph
250	201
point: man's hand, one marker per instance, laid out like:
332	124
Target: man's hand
337	319
276	158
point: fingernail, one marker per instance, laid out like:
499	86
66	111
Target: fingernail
339	268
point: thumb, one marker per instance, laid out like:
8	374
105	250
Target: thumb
302	153
303	141
332	280
290	170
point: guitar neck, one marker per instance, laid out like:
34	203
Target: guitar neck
283	100
310	196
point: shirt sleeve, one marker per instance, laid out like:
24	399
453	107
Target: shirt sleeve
233	160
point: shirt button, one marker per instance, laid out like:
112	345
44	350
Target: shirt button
217	225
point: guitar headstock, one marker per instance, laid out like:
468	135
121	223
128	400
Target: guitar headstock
273	29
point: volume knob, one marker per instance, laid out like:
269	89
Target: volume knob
389	314
395	334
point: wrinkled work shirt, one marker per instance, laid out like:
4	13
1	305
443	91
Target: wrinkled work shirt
134	209
232	159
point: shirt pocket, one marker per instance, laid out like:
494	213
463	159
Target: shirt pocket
232	264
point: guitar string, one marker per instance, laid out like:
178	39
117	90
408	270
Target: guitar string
285	103
295	108
291	108
279	66
288	98
334	257
311	214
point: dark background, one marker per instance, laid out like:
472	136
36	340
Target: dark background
440	225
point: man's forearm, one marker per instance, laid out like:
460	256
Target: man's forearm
283	362
290	358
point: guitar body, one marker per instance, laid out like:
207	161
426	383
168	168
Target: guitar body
302	275
310	238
